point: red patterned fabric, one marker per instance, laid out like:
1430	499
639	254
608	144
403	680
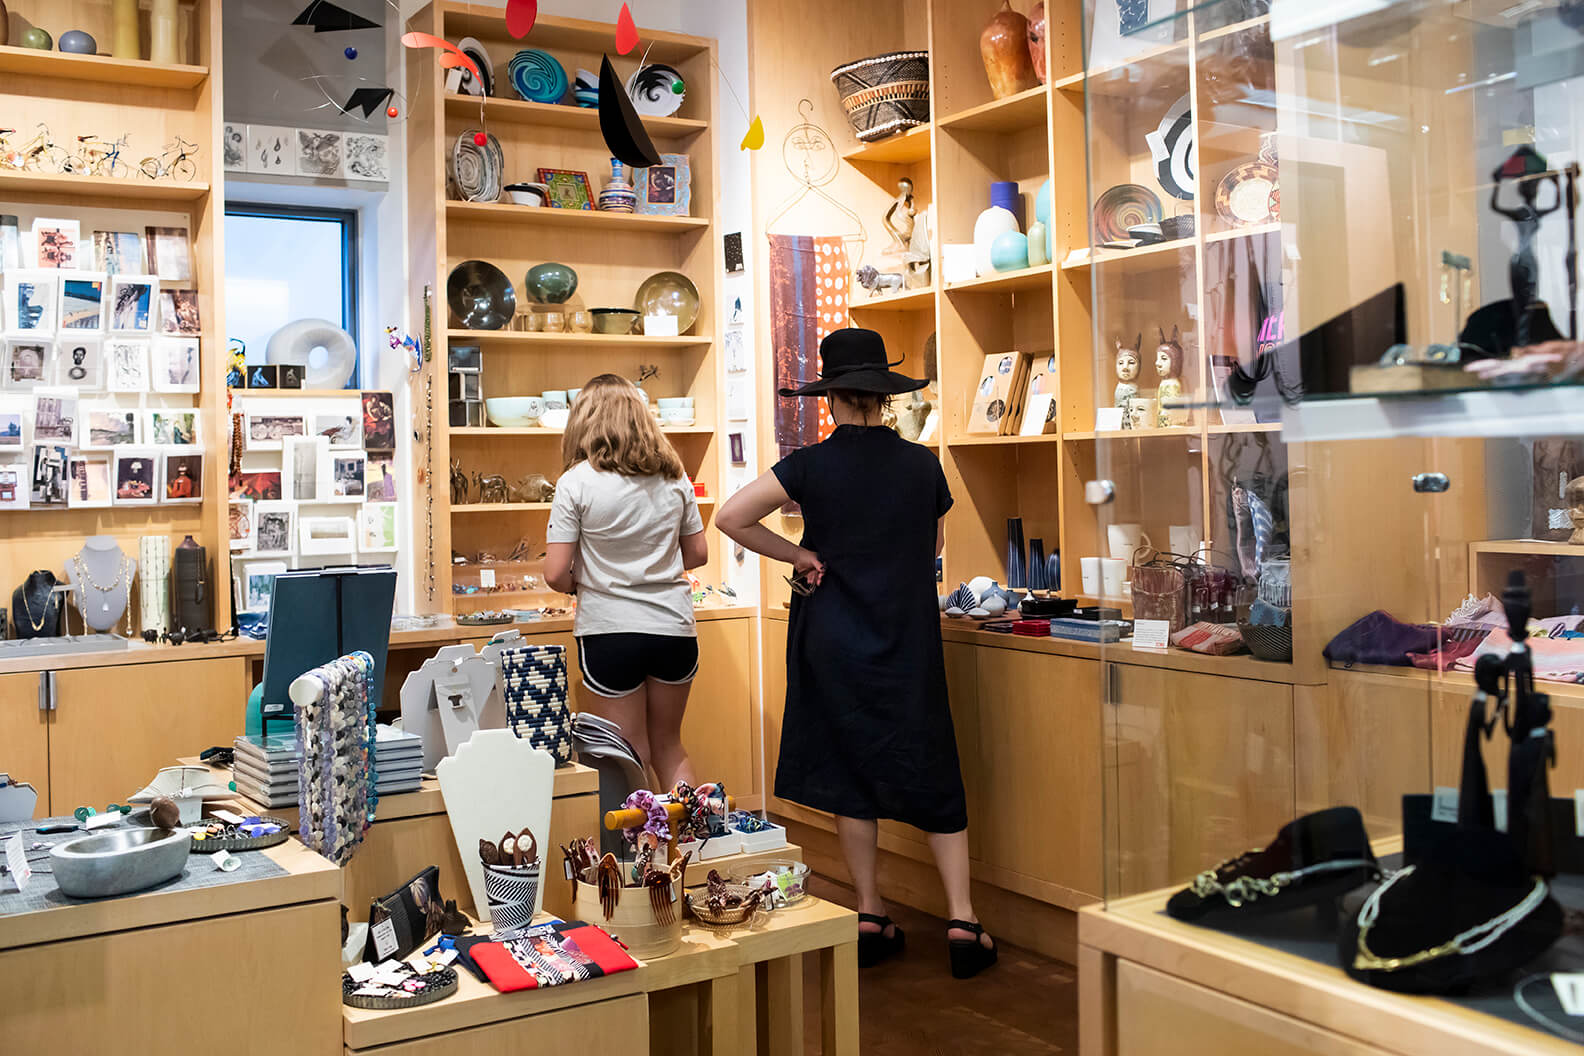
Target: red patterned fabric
809	283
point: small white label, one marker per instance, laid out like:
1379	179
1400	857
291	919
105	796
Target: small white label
385	937
1499	808
566	864
1151	634
16	861
1444	805
361	972
100	821
227	816
660	326
1108	419
1569	987
486	577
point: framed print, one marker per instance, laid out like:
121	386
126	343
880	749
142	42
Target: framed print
13	486
176	364
178	311
126	364
239	522
25	361
379	479
82	302
55	243
233	144
367	156
265	431
48	480
136	475
318	152
273	523
255	582
118	252
169	253
377	522
379	421
90	481
346	475
79	362
262	376
568	189
132	304
10	431
183	476
305	466
289	376
666	189
259	486
10	241
55	420
106	426
31	302
171	427
272	149
325	535
341	430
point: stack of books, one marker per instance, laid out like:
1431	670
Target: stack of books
265	768
398	760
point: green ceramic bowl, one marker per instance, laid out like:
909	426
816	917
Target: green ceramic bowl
669	293
614	320
550	283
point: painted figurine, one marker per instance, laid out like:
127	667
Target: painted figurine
1169	366
1127	372
899	218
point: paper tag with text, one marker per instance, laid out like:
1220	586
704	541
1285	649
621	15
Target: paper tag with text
486	577
385	937
16	861
1151	634
1443	807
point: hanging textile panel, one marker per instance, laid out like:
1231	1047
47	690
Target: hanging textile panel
808	299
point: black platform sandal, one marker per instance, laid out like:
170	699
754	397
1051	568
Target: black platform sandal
969	957
876	946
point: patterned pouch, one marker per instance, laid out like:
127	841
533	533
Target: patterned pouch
534	687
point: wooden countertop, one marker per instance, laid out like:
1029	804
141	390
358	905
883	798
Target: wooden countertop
1137	929
1570	693
309	878
140	652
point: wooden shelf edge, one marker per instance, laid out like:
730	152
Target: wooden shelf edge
1003	280
525	337
137	189
1012	113
510	213
914	145
103	69
562	115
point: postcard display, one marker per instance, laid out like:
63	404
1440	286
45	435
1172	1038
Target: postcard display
314	483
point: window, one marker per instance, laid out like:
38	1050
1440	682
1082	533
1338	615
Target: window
285	263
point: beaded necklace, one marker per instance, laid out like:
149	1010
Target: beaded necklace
335	732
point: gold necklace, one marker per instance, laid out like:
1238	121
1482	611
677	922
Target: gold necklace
38	624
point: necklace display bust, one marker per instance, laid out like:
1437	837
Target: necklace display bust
36	606
102	576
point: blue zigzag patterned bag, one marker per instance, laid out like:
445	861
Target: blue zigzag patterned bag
534	687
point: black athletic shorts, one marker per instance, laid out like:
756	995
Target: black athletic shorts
615	665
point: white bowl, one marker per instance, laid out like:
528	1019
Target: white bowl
673	402
528	193
513	412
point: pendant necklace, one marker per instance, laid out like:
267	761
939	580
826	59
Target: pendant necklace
84	577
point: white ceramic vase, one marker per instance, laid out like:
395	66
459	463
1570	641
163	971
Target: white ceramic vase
162	32
993	222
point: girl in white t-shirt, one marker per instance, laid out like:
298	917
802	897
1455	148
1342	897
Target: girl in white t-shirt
623	528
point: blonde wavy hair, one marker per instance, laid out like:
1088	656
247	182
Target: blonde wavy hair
612	430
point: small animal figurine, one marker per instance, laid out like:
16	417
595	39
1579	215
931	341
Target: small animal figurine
877	281
1169	367
912	416
459	483
1127	372
899	218
491	488
535	487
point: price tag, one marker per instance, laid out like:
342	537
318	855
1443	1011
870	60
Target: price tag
486	577
227	816
1569	988
1151	634
1108	419
1443	806
361	972
1499	808
16	861
385	937
566	864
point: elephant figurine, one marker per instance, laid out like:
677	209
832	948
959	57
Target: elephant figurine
491	488
459	484
535	487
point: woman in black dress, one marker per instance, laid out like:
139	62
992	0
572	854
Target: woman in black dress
867	733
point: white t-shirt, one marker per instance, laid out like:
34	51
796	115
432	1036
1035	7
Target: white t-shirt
628	532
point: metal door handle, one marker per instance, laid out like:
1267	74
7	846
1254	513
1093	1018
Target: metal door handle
46	691
1431	483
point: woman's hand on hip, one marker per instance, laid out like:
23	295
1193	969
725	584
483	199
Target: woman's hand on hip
806	563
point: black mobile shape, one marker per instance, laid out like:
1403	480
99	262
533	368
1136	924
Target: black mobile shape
624	133
368	100
326	17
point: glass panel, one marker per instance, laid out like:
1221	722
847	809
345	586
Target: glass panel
261	298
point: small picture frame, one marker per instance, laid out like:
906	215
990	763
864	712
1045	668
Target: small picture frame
169	254
378	527
734	442
136	476
55	419
233	147
325	535
262	376
55	243
10	431
48	484
367	156
347	469
172	427
32	302
262	485
289	376
272	149
177	365
267	430
82	302
239	523
255	582
466	359
183	476
273	528
569	189
13	485
379	480
379	421
26	363
118	252
106	427
666	189
319	153
132	304
341	430
305	468
90	482
126	364
79	362
178	311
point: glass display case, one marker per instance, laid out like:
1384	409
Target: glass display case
1333	387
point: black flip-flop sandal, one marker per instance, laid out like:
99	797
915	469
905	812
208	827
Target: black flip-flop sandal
969	957
876	946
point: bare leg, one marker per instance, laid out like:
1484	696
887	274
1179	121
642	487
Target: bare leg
859	839
629	712
951	858
667	704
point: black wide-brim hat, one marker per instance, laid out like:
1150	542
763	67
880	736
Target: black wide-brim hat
854	360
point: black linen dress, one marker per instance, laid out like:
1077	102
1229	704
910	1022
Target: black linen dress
867	731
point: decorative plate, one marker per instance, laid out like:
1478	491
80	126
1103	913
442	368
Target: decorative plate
476	51
475	171
537	77
669	293
1175	151
657	90
210	844
1123	206
1244	197
666	189
418	990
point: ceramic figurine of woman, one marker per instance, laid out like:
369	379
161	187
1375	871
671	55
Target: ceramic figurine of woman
1127	372
899	218
1169	366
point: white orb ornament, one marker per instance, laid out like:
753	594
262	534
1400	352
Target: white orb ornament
993	222
980	584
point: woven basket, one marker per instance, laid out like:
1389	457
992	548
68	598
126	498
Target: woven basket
1160	592
885	94
1267	643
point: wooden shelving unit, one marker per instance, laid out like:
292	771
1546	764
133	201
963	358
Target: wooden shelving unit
152	103
611	252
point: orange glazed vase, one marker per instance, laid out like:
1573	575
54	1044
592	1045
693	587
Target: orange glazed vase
1004	48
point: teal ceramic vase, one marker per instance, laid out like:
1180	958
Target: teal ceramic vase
1010	251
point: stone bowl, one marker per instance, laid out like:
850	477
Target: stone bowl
119	862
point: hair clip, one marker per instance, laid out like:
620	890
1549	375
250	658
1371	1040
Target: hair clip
609	881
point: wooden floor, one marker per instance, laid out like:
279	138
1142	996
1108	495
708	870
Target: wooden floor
1026	1005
